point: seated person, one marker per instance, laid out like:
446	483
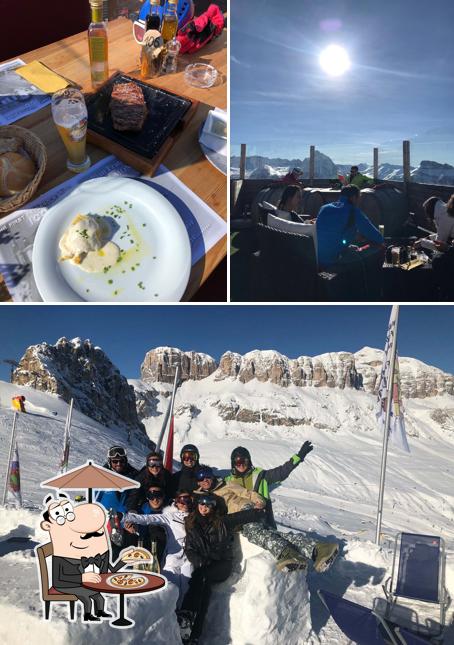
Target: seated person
153	532
355	178
441	214
443	262
290	203
171	519
338	225
294	176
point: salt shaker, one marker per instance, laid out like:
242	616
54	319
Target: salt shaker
170	63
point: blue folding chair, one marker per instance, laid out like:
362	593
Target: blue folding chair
409	638
360	624
421	573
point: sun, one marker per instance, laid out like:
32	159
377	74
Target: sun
334	60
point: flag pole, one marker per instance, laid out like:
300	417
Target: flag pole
389	402
67	439
168	411
10	454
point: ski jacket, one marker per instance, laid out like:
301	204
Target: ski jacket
261	481
233	496
337	225
137	496
360	181
207	541
114	498
172	520
184	479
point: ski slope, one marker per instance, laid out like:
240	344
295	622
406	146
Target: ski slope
333	494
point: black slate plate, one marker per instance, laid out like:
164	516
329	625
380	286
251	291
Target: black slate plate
165	111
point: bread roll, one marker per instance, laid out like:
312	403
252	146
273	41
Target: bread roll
16	172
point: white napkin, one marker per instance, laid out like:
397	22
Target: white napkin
211	140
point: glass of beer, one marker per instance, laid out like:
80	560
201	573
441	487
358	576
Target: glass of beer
70	117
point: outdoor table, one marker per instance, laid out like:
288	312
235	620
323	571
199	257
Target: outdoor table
416	285
154	583
69	57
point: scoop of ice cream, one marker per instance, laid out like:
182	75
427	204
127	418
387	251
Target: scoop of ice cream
85	233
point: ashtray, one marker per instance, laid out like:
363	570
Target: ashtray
200	75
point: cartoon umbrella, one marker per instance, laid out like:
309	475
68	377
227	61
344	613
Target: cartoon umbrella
91	476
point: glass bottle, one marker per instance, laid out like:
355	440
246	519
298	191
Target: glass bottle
98	44
153	20
169	26
155	568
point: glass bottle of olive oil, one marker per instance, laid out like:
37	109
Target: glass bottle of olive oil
98	44
169	25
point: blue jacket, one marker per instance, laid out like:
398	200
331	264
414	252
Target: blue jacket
335	232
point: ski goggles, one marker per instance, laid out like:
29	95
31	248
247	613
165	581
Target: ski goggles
206	501
116	451
156	494
189	454
241	461
154	463
183	499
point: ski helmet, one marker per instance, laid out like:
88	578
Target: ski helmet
241	452
205	472
189	447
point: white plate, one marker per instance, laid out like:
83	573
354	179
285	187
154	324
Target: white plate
156	266
215	158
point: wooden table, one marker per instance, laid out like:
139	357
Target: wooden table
69	57
154	583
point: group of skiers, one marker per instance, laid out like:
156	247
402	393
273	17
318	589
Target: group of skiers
191	516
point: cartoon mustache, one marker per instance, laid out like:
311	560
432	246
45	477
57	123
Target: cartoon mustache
92	534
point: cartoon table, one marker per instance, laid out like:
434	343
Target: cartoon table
154	582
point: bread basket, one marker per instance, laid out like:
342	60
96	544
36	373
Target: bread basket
36	150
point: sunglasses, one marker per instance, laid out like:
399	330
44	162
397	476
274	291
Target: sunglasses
118	461
189	455
155	495
154	464
241	462
184	499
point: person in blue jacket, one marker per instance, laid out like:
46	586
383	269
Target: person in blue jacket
114	501
338	225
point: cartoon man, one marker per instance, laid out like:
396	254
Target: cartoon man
80	545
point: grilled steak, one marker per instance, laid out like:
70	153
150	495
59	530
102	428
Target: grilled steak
128	107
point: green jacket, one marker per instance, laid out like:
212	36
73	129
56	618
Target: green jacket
361	181
261	481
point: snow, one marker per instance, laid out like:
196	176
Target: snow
333	494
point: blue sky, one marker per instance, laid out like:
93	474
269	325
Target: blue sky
126	333
400	85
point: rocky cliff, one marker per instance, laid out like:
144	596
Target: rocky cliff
160	365
75	368
335	370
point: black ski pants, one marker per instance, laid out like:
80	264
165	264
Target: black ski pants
198	595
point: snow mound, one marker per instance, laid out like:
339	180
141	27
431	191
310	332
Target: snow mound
258	603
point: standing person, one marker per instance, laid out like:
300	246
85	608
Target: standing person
338	225
209	539
114	501
177	568
153	473
291	550
150	532
186	478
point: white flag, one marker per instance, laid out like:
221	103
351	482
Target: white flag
396	430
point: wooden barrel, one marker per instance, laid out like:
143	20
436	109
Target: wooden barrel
315	198
386	206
